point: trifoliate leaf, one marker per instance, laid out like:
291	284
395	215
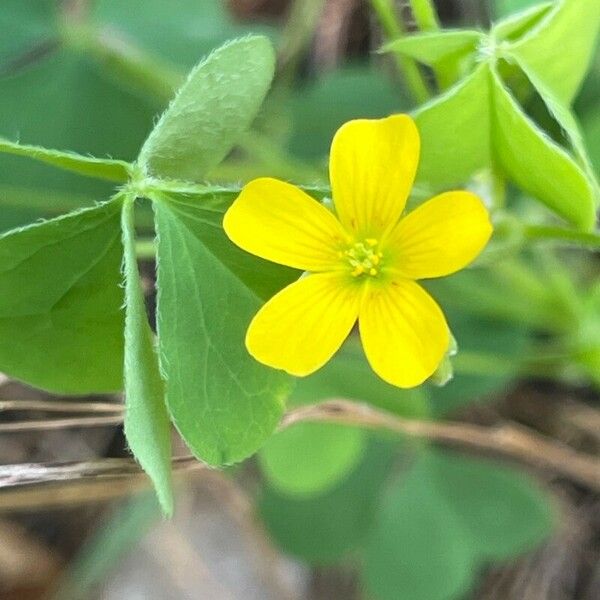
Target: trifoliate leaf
443	519
542	49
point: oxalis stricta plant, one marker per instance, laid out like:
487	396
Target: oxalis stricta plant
231	327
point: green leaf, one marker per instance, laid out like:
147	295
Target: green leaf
22	205
417	548
147	426
432	47
61	323
211	110
515	25
565	118
542	49
224	403
203	212
537	164
323	528
455	133
444	518
102	168
503	511
311	458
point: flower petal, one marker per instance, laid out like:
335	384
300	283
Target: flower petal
403	331
278	221
372	168
301	327
441	236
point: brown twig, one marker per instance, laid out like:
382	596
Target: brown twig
58	406
509	440
66	423
33	473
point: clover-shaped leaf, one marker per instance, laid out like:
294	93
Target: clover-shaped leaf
444	519
61	308
542	48
479	123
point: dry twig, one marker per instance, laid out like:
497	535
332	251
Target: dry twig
61	407
66	423
507	440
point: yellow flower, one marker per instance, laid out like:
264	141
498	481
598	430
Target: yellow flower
362	264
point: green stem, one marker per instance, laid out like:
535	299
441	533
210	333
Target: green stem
393	29
568	237
425	15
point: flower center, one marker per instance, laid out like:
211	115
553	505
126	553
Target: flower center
364	258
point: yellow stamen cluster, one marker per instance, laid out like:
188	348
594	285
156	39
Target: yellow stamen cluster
364	258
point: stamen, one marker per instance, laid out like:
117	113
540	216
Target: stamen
363	257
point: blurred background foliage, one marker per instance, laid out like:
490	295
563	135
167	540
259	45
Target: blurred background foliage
362	514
